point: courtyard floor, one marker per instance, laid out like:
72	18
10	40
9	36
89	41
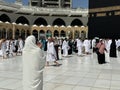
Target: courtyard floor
75	73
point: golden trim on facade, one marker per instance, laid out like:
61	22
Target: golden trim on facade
103	9
101	14
117	13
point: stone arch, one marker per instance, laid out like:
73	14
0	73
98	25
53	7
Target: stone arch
28	33
9	34
56	33
76	34
83	35
23	34
35	33
63	33
48	33
5	18
76	22
41	21
3	33
22	20
17	33
59	22
42	34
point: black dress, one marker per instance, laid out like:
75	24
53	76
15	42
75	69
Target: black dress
45	48
101	58
56	49
70	49
113	49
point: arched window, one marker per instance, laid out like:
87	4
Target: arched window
23	34
40	21
63	34
9	34
76	34
28	33
4	18
22	20
59	22
17	33
83	35
56	33
76	22
35	33
42	34
48	33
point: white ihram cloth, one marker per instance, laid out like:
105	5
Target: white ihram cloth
86	44
65	48
3	48
33	64
20	47
51	53
79	46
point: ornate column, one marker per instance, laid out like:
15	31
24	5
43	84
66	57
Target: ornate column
38	34
20	32
13	25
6	32
73	33
80	33
52	33
25	34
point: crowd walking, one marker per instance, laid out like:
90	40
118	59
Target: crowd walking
37	54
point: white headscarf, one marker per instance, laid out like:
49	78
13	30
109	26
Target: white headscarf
30	43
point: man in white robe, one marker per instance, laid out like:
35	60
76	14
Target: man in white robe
87	45
3	48
33	65
93	44
51	53
20	46
108	43
65	47
118	44
79	46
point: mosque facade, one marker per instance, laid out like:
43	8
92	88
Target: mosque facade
19	20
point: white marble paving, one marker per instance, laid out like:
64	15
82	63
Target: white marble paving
75	73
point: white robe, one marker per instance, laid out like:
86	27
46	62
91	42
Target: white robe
20	47
108	45
79	46
33	64
51	53
86	44
65	48
93	43
59	52
118	43
3	48
11	47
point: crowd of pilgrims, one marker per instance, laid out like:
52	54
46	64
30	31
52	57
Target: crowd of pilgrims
57	48
10	47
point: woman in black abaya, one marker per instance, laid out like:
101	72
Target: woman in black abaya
113	49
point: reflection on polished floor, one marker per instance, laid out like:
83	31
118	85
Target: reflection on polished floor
75	73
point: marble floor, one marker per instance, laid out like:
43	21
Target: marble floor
75	73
